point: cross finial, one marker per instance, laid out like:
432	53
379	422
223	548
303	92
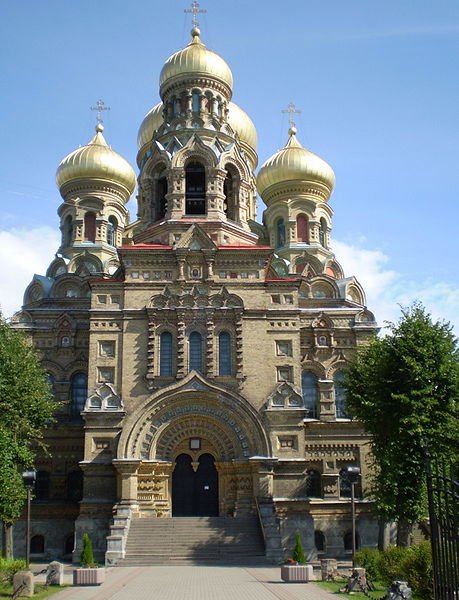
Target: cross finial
196	11
100	106
291	110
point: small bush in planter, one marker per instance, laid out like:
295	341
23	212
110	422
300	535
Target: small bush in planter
87	556
298	552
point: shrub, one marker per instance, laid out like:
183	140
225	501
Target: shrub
418	570
87	556
391	563
370	560
298	552
10	566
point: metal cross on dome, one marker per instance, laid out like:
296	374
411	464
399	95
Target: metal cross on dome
291	110
195	10
100	106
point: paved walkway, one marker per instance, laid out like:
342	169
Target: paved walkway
195	583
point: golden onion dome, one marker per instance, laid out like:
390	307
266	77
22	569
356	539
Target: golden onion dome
151	122
294	163
194	60
96	160
242	125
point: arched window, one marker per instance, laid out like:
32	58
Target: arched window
52	384
112	226
90	227
69	544
195	101
319	541
347	541
323	232
302	228
165	354
37	544
344	484
74	485
78	392
310	393
230	190
42	486
195	189
224	353
161	191
68	230
280	227
195	351
313	487
340	395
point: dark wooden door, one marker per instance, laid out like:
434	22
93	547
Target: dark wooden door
195	493
206	487
183	487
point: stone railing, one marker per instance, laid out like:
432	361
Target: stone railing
119	530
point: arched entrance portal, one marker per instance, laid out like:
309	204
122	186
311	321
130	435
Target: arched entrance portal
195	492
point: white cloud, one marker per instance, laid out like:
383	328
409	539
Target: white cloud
23	252
387	290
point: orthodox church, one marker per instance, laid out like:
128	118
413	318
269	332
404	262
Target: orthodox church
197	355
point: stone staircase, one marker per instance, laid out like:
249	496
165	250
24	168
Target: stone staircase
194	540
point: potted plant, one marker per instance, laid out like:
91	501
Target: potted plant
295	568
89	573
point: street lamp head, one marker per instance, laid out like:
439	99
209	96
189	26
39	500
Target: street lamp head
353	473
29	477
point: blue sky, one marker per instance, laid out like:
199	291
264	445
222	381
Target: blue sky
377	84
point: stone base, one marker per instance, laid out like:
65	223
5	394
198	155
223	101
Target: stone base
301	573
23	584
88	576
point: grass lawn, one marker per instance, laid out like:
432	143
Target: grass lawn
334	586
6	591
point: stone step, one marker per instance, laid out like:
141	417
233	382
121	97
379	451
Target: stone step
194	540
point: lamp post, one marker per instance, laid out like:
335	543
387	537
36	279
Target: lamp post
28	478
353	473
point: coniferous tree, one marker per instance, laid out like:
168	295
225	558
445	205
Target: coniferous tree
298	552
404	388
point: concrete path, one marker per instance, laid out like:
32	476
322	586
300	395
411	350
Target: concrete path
195	583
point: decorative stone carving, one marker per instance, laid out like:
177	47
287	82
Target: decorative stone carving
104	398
284	396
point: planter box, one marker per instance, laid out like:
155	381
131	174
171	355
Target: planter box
89	576
301	573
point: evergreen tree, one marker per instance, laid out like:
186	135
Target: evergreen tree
25	409
404	388
87	556
298	552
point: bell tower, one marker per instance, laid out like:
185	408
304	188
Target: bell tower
197	153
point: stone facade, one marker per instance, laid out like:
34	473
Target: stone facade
197	332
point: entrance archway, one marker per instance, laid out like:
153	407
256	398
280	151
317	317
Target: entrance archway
195	493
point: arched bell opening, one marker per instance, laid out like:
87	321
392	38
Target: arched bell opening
195	189
231	191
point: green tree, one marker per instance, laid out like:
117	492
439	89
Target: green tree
404	388
298	552
25	408
87	556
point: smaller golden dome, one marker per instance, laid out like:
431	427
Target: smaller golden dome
151	122
242	125
194	60
96	160
294	163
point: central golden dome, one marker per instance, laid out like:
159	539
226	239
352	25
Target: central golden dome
195	59
96	160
